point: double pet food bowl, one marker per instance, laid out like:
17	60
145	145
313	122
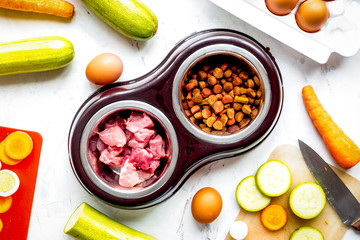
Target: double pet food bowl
158	93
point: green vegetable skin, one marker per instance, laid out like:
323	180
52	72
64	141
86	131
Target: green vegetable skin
86	223
273	178
129	17
35	55
249	197
307	200
306	232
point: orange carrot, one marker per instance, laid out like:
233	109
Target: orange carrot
18	145
345	152
59	8
273	217
5	158
5	203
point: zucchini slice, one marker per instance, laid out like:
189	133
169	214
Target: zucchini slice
307	200
273	178
249	197
306	232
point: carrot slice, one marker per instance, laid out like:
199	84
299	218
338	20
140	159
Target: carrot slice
345	152
18	145
5	203
273	217
5	158
1	225
59	8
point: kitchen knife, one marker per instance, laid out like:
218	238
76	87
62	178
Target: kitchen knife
338	195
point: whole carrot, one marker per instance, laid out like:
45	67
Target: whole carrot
59	8
345	152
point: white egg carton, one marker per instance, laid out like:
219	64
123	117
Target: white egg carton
341	34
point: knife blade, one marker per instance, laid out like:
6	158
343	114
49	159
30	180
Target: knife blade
339	196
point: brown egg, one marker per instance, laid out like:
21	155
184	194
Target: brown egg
281	7
312	15
206	205
104	69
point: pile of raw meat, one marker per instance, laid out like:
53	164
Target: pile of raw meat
131	144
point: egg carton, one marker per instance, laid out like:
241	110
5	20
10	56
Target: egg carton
341	33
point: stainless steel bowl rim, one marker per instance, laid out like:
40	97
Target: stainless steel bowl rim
238	52
137	106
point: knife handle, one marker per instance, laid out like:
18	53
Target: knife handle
356	224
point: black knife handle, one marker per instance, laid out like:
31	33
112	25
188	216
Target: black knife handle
356	224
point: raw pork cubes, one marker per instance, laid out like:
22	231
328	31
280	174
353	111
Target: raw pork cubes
129	143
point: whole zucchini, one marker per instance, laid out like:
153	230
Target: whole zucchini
87	223
132	18
35	55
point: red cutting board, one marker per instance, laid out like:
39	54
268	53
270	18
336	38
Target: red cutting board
16	220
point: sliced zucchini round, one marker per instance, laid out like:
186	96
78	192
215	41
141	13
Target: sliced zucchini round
306	232
249	197
307	200
273	178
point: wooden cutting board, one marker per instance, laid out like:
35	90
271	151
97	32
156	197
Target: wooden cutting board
16	219
327	222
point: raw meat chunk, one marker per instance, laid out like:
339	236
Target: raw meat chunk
93	161
121	122
113	136
110	157
93	143
100	145
139	139
138	121
144	135
157	146
128	175
144	175
133	143
142	158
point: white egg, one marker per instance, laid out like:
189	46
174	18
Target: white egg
9	182
239	230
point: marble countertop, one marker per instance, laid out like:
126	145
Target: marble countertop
47	102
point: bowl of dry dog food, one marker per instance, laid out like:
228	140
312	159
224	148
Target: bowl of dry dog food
217	94
224	94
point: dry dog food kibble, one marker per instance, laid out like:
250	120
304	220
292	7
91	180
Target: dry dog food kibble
221	99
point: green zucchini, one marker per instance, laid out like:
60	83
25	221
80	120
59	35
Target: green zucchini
273	178
87	223
306	232
35	55
307	200
249	197
131	18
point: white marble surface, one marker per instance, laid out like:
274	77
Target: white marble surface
46	102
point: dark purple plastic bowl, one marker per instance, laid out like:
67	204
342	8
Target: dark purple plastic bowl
157	93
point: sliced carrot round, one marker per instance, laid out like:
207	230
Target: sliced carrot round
18	145
1	225
5	158
273	217
5	203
